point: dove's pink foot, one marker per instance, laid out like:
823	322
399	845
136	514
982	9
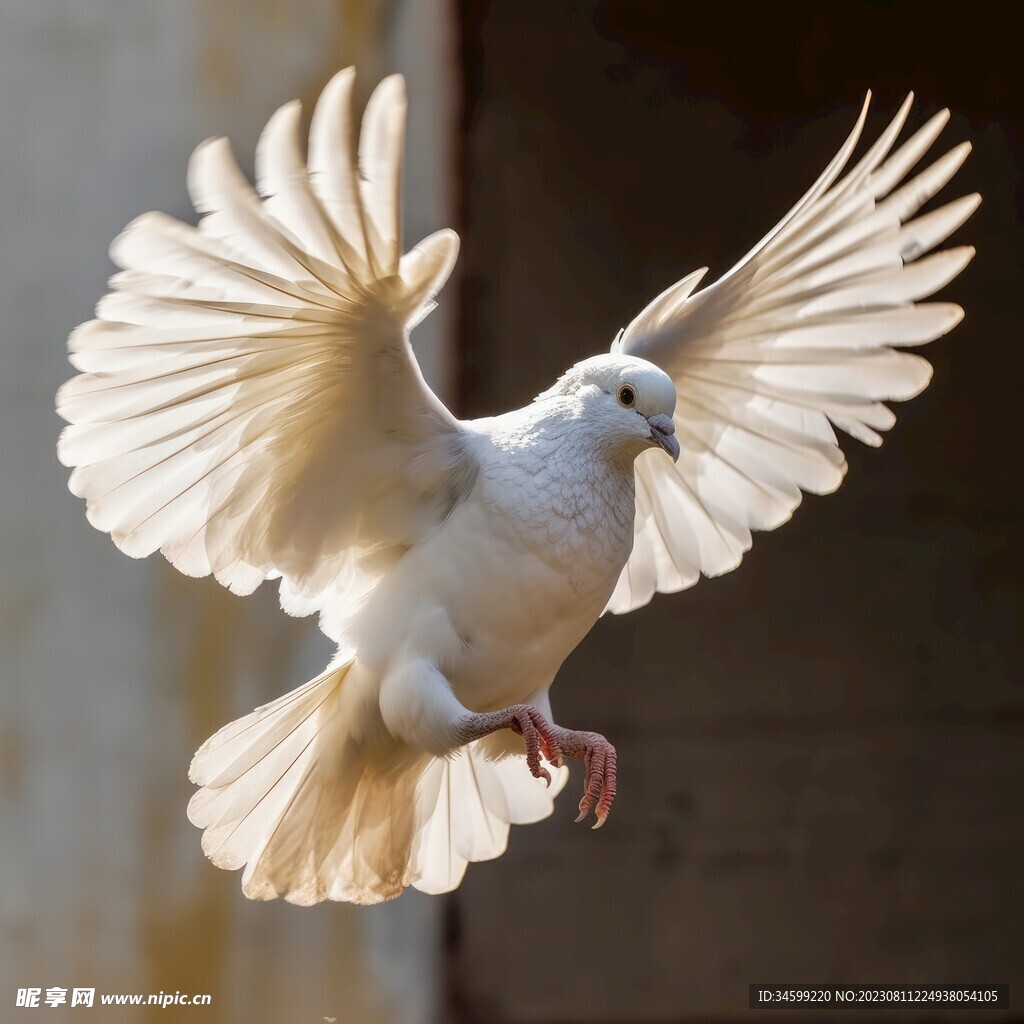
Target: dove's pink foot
541	737
599	764
537	732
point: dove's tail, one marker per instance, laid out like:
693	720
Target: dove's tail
314	811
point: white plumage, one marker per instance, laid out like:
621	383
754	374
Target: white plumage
802	335
249	405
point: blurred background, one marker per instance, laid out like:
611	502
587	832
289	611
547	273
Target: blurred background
821	753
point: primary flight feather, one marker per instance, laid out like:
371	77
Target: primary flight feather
250	406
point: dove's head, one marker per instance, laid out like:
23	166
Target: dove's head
628	401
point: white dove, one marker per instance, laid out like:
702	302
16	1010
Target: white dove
249	405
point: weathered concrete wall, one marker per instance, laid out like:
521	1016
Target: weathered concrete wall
820	753
113	671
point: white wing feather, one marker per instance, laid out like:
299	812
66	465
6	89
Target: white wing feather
804	334
249	403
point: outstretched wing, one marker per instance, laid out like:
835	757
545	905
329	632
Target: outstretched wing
803	335
249	402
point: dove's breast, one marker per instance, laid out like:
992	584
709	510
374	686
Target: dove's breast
516	577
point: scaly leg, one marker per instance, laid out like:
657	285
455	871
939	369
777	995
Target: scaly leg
525	720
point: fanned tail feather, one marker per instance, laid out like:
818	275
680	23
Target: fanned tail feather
313	811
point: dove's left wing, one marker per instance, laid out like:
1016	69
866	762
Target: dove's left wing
804	334
249	402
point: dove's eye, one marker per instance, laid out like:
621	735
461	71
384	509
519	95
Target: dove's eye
627	396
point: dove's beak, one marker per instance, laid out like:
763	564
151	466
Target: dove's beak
663	431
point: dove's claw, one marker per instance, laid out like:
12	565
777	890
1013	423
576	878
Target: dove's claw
539	738
599	771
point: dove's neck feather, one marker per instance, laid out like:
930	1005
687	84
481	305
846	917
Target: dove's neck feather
563	429
554	472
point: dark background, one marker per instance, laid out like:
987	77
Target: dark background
820	753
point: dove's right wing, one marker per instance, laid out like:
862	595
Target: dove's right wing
805	334
249	402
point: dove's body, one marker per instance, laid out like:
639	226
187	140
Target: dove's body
249	405
500	594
